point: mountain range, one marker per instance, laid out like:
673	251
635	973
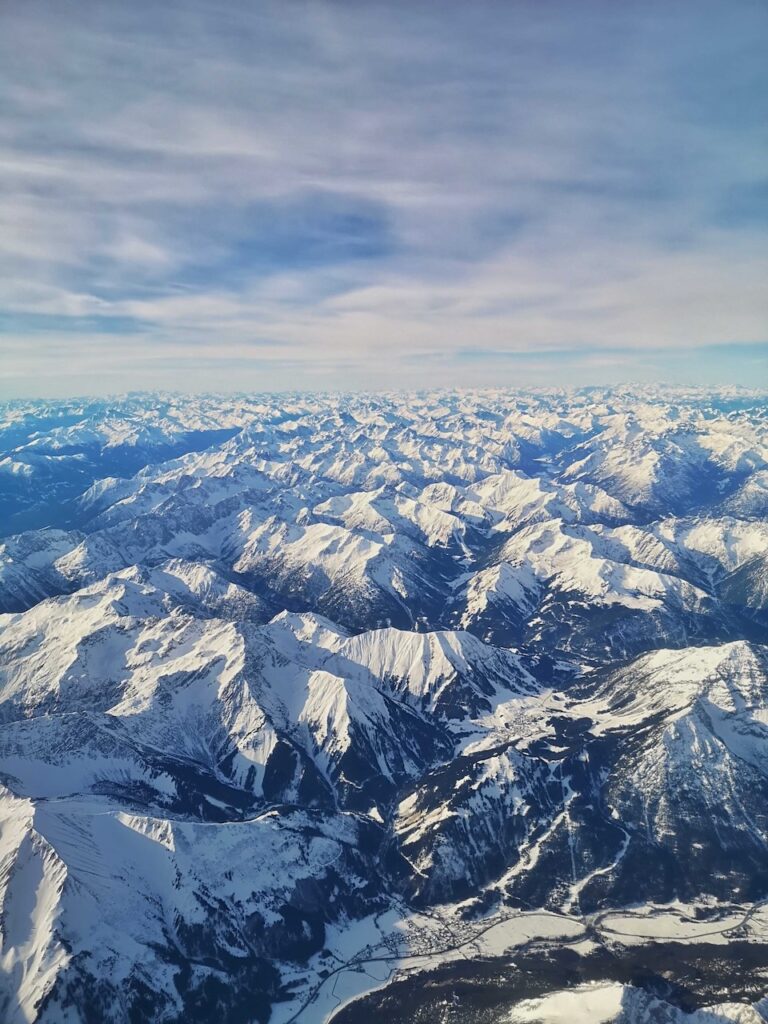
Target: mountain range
295	685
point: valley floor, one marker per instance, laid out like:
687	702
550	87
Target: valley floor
418	966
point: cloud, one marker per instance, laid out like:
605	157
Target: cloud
303	187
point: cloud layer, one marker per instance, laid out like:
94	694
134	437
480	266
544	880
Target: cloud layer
327	195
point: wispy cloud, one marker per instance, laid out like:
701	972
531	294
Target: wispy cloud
279	192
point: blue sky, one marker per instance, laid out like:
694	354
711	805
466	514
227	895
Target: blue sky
202	195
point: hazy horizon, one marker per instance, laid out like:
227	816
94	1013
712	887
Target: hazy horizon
660	387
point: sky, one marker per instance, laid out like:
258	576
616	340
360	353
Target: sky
204	196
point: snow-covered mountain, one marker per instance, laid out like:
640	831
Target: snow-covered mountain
273	666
